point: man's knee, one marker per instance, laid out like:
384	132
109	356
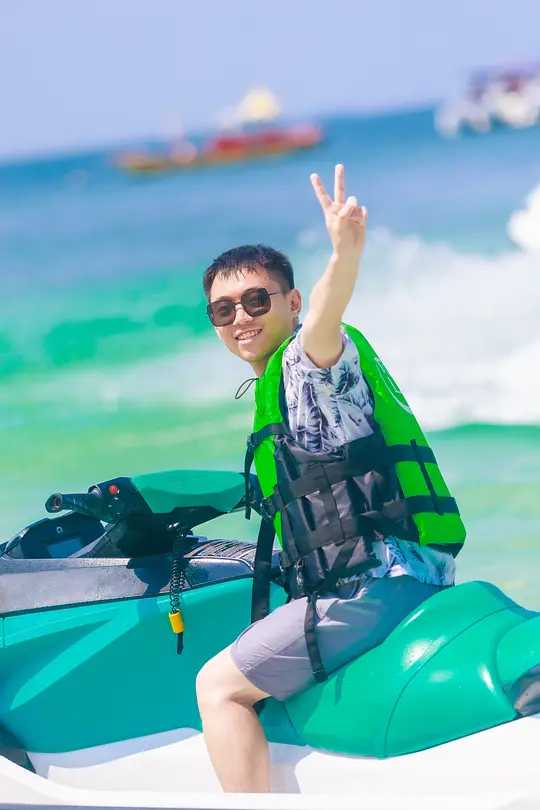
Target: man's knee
220	681
209	685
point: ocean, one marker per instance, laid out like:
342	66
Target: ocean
108	365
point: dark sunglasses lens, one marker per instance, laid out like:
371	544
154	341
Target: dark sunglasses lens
221	313
256	302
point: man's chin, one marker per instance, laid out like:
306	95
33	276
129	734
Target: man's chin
249	355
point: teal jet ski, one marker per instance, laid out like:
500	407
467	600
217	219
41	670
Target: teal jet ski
97	695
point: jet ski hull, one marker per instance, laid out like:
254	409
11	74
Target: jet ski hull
494	769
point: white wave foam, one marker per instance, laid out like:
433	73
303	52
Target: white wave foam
460	333
524	225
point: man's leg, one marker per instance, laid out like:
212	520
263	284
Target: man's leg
232	731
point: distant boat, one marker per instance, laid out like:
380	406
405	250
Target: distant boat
248	133
508	97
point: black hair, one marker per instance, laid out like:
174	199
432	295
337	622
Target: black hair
250	257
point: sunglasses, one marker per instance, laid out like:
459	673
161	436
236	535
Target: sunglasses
255	301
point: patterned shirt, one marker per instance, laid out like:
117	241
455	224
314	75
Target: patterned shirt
328	407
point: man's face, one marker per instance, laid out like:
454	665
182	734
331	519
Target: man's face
254	339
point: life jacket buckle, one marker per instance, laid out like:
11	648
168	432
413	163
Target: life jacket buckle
268	510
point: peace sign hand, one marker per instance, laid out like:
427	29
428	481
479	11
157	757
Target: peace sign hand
345	219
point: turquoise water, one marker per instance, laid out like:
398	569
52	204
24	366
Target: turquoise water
109	367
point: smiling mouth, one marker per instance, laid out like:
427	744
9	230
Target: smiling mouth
248	335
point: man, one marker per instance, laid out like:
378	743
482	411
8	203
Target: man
328	404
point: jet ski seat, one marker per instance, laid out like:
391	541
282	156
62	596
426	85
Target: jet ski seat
462	647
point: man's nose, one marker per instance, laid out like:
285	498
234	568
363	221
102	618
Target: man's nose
240	313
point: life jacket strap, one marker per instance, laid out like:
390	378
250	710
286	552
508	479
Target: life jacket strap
311	617
253	441
352	527
409	452
262	567
273	429
382	520
310	631
426	503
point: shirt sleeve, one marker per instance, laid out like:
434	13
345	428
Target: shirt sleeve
337	380
327	407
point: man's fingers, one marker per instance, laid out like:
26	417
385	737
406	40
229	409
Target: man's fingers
339	184
349	206
354	212
320	191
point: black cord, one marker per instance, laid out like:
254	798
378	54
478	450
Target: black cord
244	387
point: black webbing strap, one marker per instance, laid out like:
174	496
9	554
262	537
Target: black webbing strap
334	532
316	479
254	440
406	452
311	619
310	624
262	567
425	503
273	429
248	461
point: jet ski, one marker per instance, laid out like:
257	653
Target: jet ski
97	695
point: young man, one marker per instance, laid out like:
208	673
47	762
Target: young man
255	307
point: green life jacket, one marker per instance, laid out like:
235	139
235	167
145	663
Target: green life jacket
328	508
429	501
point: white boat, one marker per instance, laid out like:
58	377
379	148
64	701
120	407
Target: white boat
508	97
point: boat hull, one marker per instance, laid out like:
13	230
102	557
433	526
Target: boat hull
142	163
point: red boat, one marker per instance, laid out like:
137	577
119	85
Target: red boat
226	149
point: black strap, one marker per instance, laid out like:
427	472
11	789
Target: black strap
248	461
273	429
179	643
262	568
254	440
321	479
310	624
406	452
424	503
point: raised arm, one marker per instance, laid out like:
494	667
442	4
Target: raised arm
346	224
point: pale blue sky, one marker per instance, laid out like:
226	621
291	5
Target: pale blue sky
75	73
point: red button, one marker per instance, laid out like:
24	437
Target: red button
113	489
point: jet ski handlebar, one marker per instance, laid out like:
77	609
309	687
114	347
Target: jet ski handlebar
109	501
85	503
190	497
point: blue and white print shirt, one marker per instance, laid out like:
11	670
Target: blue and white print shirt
328	407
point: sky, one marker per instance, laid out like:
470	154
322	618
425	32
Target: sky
75	74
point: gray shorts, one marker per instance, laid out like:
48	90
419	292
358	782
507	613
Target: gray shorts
272	652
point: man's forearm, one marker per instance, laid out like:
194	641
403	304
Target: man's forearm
345	221
332	292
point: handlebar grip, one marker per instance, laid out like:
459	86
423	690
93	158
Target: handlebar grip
84	503
54	502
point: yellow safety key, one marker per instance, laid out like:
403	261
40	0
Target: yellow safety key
177	622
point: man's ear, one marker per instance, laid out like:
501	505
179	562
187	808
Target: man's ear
295	302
